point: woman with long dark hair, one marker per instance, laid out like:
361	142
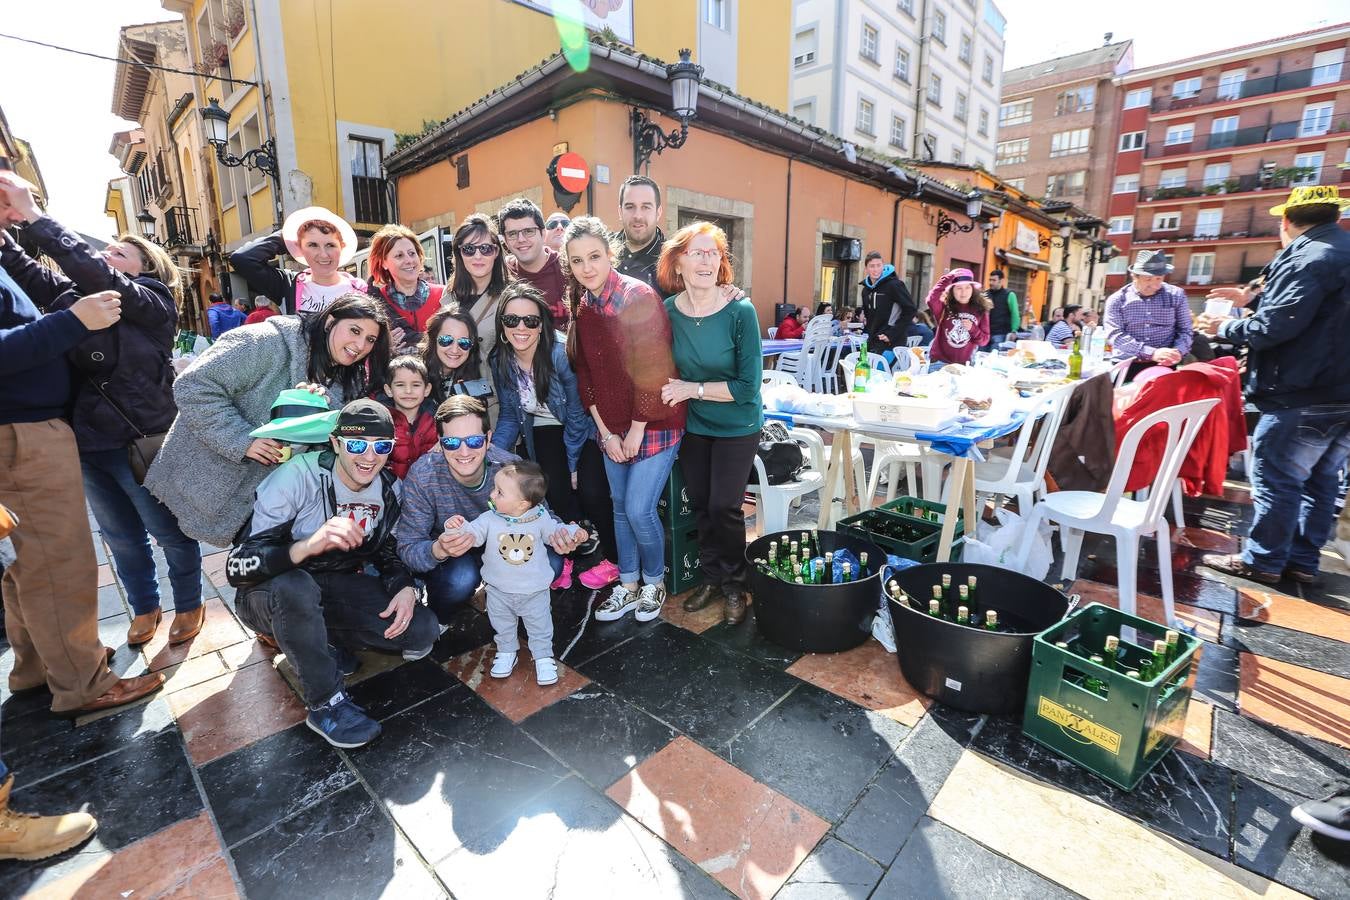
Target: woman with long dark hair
453	354
540	403
478	274
210	465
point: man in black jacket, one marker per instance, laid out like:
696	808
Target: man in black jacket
318	521
887	305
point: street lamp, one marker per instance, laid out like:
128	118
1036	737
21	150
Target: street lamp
148	224
263	158
648	137
946	224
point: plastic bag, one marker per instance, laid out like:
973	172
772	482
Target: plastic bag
997	545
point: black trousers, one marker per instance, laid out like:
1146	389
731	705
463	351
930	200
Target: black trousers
591	499
716	470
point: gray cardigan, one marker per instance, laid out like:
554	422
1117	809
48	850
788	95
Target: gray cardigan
201	474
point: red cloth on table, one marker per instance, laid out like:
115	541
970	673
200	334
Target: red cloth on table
1222	434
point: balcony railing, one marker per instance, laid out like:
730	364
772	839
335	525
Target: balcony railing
1227	274
180	226
1246	137
1281	178
1252	87
1234	227
371	195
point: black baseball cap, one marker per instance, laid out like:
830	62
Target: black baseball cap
364	418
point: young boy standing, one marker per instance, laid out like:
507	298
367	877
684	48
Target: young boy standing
409	390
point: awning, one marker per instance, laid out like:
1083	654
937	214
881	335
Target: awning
1026	262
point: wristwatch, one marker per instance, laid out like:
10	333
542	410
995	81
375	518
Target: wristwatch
700	390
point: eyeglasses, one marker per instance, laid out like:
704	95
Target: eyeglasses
704	255
465	344
473	441
357	446
521	234
556	224
511	320
476	249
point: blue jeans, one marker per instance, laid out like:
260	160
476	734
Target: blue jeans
919	329
128	515
1297	455
452	583
635	488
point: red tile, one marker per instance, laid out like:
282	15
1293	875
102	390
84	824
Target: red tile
867	675
213	567
1290	612
221	629
742	833
697	622
234	710
519	696
1298	699
1205	622
1198	733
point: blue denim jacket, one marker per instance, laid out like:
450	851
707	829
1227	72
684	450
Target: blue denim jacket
1298	333
563	401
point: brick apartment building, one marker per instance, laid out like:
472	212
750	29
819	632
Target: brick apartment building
1208	144
1057	126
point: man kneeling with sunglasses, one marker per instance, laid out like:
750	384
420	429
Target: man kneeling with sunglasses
319	521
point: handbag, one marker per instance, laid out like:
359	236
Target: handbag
143	449
781	455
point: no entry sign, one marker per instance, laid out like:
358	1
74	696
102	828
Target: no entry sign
569	173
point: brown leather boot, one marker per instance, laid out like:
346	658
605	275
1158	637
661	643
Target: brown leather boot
186	625
705	595
28	836
143	628
123	691
735	605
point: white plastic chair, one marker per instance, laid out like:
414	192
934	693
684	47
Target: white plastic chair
914	340
773	500
773	332
1021	473
776	376
1125	519
887	456
818	353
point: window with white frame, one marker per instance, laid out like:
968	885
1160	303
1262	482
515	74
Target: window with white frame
1075	100
1172	178
1168	221
962	111
805	111
1312	161
1230	84
1184	88
957	156
1200	270
1208	223
866	115
1131	140
930	146
1066	184
1316	119
1069	143
1217	173
967	48
868	48
1327	66
1121	225
940	26
899	132
1017	183
1138	97
715	13
1126	184
901	63
935	88
1012	152
1180	134
1224	125
987	70
1018	112
983	127
906	7
804	46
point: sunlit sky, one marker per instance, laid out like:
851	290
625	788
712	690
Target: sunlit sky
61	102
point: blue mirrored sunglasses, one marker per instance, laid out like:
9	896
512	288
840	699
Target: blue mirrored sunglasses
446	340
475	442
357	446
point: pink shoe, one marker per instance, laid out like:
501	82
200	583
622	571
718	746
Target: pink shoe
599	576
563	581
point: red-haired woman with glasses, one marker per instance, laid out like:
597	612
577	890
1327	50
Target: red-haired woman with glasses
396	277
716	348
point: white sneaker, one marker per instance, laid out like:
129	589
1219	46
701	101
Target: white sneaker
650	600
502	665
546	671
618	604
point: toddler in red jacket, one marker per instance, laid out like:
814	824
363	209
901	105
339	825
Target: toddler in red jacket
408	389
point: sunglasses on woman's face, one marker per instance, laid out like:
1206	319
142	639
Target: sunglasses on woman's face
473	441
476	249
511	320
465	344
356	446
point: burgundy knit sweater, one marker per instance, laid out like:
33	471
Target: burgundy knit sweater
623	356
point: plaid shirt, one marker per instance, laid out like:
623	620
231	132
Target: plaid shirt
1137	326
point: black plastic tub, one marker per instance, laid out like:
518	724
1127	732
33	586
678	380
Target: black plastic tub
816	618
970	668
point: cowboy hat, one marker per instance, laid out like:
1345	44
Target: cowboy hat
299	417
1150	262
1311	195
290	232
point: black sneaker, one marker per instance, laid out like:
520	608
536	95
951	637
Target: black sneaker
342	723
1330	817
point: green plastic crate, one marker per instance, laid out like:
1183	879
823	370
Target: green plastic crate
917	508
923	550
674	507
1122	734
682	562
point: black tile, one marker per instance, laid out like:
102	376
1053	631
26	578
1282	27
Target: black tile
745	638
468	630
1333	590
1310	651
63	748
571	842
1218	515
704	690
939	862
271	779
598	734
1291	761
881	821
449	767
1183	796
1217	679
833	870
1283	586
1269	841
1187	588
393	691
786	747
572	623
343	847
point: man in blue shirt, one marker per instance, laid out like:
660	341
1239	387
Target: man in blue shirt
222	316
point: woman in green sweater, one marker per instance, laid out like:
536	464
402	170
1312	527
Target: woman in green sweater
717	352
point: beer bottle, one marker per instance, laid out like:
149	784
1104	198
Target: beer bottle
862	564
862	370
848	572
937	594
1093	683
935	609
962	615
1076	359
991	621
829	567
1173	646
963	596
1112	650
1146	669
1159	656
947	590
971	584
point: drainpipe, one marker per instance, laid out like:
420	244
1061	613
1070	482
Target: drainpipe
787	229
895	231
920	84
840	30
